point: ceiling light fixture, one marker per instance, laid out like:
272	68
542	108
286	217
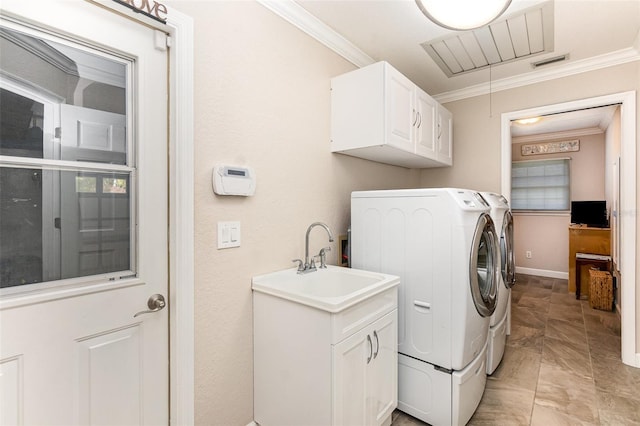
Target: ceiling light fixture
531	120
462	15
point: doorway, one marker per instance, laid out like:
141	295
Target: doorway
75	347
627	199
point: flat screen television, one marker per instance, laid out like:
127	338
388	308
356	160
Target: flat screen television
590	213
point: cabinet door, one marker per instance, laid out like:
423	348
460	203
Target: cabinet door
350	378
400	112
425	139
383	371
444	132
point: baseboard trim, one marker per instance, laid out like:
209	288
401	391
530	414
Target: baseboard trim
542	273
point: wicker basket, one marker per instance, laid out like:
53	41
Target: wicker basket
601	290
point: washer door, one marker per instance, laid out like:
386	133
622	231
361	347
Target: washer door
484	266
506	251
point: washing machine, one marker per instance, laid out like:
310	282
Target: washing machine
443	244
498	326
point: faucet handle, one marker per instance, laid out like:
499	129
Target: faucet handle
323	257
300	264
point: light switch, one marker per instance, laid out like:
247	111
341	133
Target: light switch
228	234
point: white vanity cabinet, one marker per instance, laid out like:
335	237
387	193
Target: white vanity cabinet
379	114
365	374
314	367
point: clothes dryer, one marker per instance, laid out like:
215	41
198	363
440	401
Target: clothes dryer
501	215
443	245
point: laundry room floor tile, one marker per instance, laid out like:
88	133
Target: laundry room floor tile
519	367
573	332
561	364
503	404
526	337
564	394
566	312
528	317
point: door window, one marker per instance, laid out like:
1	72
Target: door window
66	169
484	267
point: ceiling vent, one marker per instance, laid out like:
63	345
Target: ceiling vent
550	61
519	36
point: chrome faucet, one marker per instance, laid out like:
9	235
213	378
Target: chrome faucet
309	265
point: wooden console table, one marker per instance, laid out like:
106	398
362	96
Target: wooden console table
583	239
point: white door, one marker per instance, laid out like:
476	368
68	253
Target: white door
71	350
444	129
383	387
425	134
401	114
365	374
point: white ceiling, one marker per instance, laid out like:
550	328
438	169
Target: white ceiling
593	33
393	30
588	121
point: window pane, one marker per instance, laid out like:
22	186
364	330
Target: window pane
21	123
540	185
62	224
85	92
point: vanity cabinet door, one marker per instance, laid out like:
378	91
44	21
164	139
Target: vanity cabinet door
383	385
365	373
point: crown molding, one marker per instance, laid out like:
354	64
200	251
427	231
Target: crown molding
619	57
295	14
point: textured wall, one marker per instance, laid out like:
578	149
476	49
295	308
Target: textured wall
261	99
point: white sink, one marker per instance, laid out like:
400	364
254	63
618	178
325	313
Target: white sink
332	289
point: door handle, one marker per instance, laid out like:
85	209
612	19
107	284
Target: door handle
370	349
375	354
155	303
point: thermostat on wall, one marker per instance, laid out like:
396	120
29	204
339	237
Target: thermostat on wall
233	180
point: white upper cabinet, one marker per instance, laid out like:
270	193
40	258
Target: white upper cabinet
444	132
380	115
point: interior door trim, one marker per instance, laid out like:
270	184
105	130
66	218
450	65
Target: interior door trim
181	219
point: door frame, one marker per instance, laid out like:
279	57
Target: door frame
628	183
181	220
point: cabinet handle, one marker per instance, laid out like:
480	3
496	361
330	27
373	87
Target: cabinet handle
439	130
420	122
375	354
415	117
370	349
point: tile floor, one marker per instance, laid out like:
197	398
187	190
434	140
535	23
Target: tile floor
561	365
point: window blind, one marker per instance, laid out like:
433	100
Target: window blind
540	185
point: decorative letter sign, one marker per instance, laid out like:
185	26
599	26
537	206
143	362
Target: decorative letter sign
151	8
551	147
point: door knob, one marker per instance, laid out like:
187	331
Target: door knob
155	303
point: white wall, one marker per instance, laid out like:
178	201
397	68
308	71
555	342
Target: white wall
261	99
547	235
